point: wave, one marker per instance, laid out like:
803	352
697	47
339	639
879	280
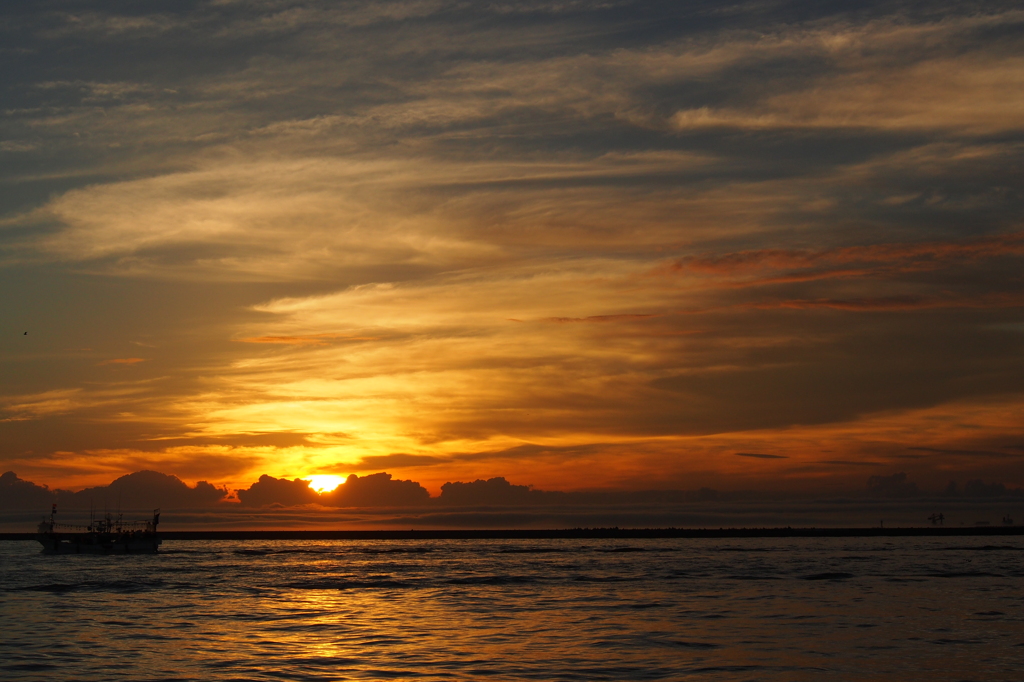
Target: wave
122	586
828	576
345	584
491	580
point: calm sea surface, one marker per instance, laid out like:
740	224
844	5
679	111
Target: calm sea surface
681	609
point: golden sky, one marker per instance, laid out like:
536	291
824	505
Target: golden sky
624	245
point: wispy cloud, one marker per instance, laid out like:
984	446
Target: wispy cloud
309	340
522	237
48	403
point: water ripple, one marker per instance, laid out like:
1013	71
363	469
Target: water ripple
672	609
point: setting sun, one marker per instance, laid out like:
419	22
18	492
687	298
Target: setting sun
324	483
737	286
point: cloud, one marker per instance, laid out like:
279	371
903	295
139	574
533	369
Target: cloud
849	463
514	233
93	91
376	490
896	486
122	361
150	488
901	257
243	222
758	455
311	340
18	494
16	146
104	25
244	218
962	94
378	501
968	453
881	74
399	460
60	401
978	488
35	406
273	491
139	490
602	318
492	492
897	303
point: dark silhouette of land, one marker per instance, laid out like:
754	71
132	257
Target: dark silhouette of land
576	533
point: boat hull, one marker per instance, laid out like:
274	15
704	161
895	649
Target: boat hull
99	543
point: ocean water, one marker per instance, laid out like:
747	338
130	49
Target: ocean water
673	609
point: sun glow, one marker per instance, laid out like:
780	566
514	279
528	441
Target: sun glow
324	483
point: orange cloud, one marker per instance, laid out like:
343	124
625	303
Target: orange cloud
306	340
909	256
601	318
122	361
901	303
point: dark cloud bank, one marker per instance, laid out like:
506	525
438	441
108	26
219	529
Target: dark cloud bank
139	490
380	502
144	489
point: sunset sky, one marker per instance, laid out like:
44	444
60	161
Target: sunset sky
621	245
